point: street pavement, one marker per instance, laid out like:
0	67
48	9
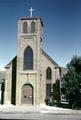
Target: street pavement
38	116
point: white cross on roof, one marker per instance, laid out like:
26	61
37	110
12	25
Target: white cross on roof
31	10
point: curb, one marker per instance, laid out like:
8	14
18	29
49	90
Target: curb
41	112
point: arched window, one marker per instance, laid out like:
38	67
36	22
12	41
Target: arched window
28	58
48	73
33	27
25	27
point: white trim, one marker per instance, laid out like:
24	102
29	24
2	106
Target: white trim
27	72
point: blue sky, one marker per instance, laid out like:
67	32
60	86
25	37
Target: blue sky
62	27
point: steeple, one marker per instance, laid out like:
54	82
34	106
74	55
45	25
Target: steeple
30	25
31	17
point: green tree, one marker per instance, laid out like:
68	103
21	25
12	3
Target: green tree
72	82
56	91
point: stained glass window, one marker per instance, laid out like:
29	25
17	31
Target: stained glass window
28	58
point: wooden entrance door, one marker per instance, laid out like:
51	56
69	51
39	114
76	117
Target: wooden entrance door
27	94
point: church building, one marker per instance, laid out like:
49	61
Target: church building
32	72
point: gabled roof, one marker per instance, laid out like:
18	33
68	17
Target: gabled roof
8	65
43	52
49	58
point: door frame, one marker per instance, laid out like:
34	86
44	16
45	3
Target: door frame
32	92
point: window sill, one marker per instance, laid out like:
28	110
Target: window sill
28	72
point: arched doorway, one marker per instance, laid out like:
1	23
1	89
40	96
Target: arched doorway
27	94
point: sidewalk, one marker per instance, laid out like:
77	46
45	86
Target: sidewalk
57	110
35	109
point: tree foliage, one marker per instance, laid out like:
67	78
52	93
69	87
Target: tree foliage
72	82
56	91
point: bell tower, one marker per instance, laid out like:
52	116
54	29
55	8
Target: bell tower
30	38
30	33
